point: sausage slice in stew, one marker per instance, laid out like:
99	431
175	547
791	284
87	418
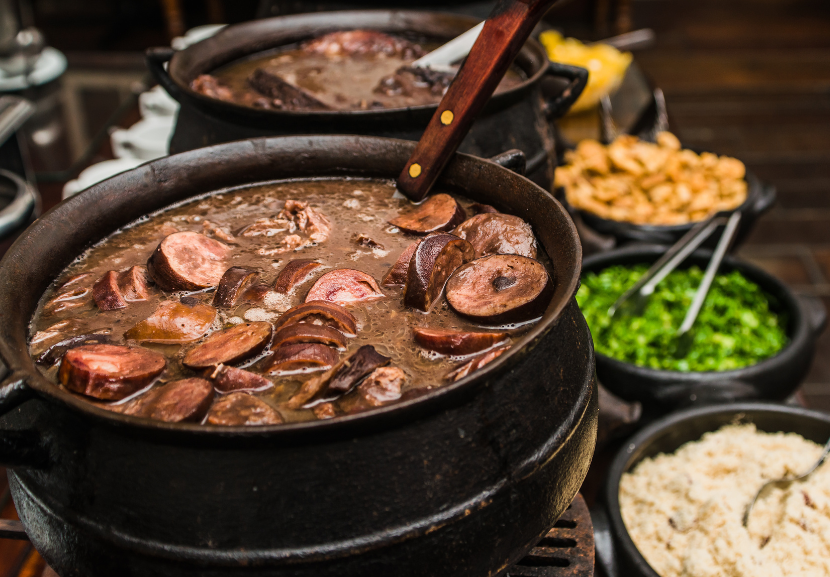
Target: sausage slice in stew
439	212
498	234
229	346
239	409
449	342
381	387
233	285
230	379
294	273
500	289
397	274
340	379
301	356
174	322
435	259
186	400
323	312
106	293
475	364
188	261
308	333
109	372
54	353
132	283
345	286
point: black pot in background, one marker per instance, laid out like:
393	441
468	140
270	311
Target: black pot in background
517	118
760	198
774	378
666	436
461	481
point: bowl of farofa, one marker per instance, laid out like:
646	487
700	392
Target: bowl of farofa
773	377
676	494
634	190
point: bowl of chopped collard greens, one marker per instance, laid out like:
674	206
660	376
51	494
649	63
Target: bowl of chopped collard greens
753	337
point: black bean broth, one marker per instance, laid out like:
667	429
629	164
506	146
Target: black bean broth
358	209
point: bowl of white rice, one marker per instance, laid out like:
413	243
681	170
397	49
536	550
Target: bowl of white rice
677	491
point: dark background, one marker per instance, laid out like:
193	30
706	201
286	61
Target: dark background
748	78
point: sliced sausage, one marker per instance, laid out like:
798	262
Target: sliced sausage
54	353
229	346
294	273
132	284
186	400
381	387
230	379
233	285
474	364
322	312
449	342
188	261
397	274
109	372
365	360
500	289
308	333
106	293
498	234
324	411
345	286
340	379
239	409
439	212
435	259
301	356
174	322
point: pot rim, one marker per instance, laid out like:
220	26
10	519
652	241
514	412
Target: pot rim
622	460
331	21
799	327
23	367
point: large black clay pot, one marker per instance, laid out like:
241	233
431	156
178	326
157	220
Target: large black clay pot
668	434
459	482
774	378
517	118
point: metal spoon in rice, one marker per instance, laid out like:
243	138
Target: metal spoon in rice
785	482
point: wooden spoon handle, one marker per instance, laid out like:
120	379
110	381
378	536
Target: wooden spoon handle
504	34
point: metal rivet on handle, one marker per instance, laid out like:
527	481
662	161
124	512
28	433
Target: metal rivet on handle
415	170
447	117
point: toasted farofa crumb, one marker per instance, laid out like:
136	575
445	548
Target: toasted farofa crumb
684	511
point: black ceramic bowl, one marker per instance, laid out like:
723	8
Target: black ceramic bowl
669	433
759	199
774	378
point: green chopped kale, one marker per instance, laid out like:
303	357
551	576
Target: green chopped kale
735	328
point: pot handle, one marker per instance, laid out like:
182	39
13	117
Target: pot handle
23	447
558	106
513	159
814	311
156	58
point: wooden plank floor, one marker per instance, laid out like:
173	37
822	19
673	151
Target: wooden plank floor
750	78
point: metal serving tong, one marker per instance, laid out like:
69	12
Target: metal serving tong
633	301
502	36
